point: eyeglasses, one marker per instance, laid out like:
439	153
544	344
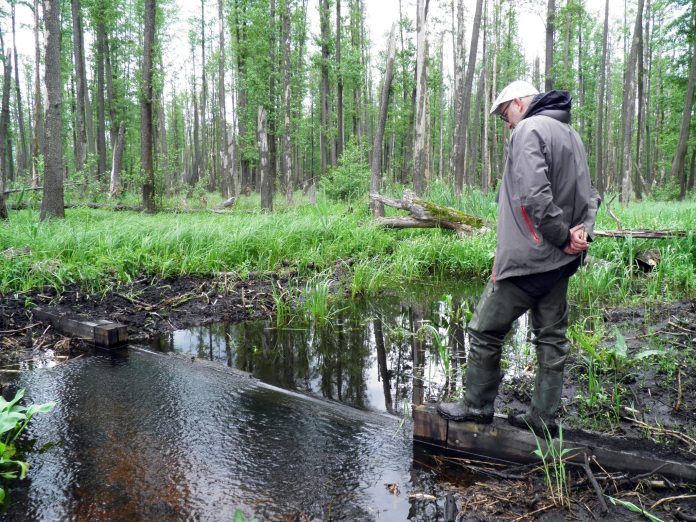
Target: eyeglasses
503	112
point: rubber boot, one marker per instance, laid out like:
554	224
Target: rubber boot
546	399
477	406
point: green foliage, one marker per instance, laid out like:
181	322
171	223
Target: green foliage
350	180
553	460
14	418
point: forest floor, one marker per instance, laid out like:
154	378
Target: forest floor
658	401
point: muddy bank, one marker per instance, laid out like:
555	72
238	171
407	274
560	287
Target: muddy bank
147	307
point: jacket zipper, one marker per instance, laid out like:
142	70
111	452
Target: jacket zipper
530	226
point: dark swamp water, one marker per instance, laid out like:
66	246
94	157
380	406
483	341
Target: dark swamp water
313	424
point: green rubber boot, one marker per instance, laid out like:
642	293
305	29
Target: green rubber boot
477	406
546	399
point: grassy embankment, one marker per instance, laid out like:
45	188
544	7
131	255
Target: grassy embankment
100	248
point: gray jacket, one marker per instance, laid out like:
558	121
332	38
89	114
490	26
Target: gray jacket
546	190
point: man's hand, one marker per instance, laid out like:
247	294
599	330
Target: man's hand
578	240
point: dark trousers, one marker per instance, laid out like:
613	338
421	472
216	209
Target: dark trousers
500	305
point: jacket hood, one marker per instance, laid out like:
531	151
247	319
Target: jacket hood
555	104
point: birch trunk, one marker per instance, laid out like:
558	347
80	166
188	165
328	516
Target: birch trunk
420	164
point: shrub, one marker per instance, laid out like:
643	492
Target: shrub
350	180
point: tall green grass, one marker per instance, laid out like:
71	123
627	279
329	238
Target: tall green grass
99	248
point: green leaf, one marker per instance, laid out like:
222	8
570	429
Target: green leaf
4	405
40	408
632	507
620	348
9	421
2	495
648	353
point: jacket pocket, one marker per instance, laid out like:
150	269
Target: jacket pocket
530	225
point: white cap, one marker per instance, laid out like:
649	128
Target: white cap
516	89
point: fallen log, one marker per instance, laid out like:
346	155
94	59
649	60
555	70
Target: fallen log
502	441
426	214
99	331
641	234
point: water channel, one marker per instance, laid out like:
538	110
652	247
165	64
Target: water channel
302	419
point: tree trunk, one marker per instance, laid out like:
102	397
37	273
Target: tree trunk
227	167
115	187
460	161
420	164
203	158
266	183
457	150
22	157
287	146
599	138
378	207
627	109
678	172
324	92
339	87
272	112
146	112
38	109
4	123
52	202
550	28
196	166
78	51
101	112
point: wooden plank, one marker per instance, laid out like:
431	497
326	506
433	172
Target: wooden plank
100	331
502	441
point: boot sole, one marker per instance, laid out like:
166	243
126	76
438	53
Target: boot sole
537	430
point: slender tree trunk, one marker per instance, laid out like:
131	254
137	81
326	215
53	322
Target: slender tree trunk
420	164
324	90
266	183
599	140
460	161
339	86
4	123
678	172
22	156
38	109
78	51
287	145
550	28
115	186
457	150
640	65
226	176
378	208
146	112
272	110
692	170
52	202
627	109
203	158
101	112
196	167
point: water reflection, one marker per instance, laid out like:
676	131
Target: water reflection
153	437
374	355
158	438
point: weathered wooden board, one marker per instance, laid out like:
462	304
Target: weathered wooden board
503	441
99	331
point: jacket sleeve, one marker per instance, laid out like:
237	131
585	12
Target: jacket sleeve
593	207
530	169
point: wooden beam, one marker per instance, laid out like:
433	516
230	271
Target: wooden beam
502	441
101	332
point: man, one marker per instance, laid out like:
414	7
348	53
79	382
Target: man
546	212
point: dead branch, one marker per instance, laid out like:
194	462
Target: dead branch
426	214
595	485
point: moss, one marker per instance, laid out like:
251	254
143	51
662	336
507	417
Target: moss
441	213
